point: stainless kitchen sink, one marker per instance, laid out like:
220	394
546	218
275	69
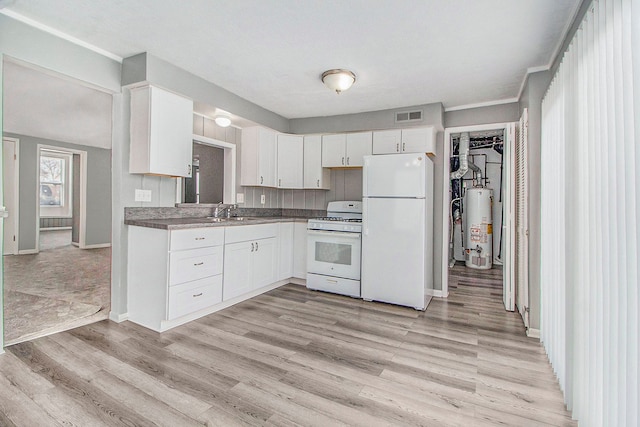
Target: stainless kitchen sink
216	219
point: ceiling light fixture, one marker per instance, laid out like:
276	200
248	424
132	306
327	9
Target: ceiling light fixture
338	80
223	121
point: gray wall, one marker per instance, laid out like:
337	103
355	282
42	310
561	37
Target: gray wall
500	113
25	43
372	120
346	184
98	190
147	68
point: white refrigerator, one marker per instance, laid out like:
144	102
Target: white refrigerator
397	229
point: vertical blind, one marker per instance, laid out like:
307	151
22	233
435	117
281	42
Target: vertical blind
590	209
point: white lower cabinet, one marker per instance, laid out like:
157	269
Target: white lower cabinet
300	250
190	297
237	269
285	249
172	274
250	260
175	276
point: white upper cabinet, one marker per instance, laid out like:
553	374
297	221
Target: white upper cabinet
419	140
290	161
345	150
387	141
315	176
411	140
334	148
258	157
161	132
358	146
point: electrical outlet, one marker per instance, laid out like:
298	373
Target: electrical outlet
263	199
240	198
142	195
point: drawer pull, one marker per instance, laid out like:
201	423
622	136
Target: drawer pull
199	238
198	263
198	295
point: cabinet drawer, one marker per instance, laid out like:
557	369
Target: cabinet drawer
244	233
196	238
185	266
193	296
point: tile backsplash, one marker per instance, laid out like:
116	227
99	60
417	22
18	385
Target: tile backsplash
346	184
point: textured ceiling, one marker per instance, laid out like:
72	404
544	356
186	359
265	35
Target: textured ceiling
47	106
272	52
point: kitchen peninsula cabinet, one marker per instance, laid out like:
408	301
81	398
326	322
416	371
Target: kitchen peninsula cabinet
161	132
258	157
173	273
250	260
346	150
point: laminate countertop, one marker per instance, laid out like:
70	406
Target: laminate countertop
184	223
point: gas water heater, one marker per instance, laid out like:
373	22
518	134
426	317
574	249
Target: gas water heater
478	224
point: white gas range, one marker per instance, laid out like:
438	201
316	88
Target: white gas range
334	248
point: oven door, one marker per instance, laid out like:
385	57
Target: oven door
334	253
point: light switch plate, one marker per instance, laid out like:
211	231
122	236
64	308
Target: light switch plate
240	198
142	195
263	199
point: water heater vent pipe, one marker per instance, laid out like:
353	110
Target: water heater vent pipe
465	163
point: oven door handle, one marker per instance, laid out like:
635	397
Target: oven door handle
354	236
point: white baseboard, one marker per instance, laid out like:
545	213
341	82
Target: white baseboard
168	324
533	333
28	251
118	318
436	293
297	281
98	246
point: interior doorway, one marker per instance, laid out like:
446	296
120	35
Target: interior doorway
478	214
64	188
61	219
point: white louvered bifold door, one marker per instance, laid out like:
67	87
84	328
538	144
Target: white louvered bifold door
522	227
590	211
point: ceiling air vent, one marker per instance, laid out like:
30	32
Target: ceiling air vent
409	116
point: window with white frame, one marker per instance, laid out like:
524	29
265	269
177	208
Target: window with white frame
55	184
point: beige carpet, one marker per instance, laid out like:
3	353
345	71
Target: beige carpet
28	316
60	288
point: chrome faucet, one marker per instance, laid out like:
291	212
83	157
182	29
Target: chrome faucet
230	208
216	212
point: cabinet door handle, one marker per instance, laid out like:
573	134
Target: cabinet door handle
197	295
347	161
318	183
261	179
188	169
397	147
252	247
343	161
198	263
404	147
199	238
256	246
279	182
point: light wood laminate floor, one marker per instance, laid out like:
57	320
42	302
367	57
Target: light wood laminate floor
294	357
